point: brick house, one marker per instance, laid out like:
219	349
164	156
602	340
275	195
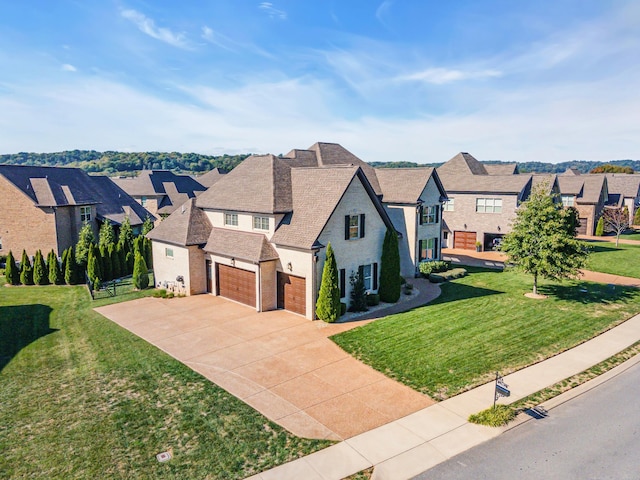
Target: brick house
259	235
588	194
44	208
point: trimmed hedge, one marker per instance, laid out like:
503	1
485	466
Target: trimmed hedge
373	299
448	275
343	308
427	268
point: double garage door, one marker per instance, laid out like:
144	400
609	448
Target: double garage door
236	284
464	240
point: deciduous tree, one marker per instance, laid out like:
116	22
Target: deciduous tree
616	220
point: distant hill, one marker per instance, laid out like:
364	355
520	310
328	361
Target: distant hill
112	163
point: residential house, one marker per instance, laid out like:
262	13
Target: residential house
44	208
624	191
209	178
482	200
413	199
162	191
588	194
259	234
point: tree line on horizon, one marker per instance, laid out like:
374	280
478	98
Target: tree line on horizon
114	163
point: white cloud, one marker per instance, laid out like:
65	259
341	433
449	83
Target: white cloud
439	76
272	12
148	26
383	10
67	67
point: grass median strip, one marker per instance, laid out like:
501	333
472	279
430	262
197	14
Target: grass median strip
483	323
622	260
503	414
82	397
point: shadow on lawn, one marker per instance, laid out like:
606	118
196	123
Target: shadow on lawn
20	326
602	247
459	291
584	292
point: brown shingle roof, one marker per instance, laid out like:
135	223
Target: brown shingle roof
462	164
627	185
210	178
405	185
252	247
501	168
586	188
550	180
188	225
260	184
498	184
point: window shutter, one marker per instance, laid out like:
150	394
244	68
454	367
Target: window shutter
375	276
438	208
361	271
362	225
343	274
436	249
420	215
346	227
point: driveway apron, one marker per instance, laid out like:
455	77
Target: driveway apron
281	364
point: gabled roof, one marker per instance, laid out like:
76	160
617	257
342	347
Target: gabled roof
260	184
551	180
462	164
153	182
571	172
586	188
253	247
186	226
501	168
316	192
209	178
323	154
489	184
405	185
627	185
61	186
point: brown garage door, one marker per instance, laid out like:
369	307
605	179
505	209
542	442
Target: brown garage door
582	229
292	293
464	240
237	284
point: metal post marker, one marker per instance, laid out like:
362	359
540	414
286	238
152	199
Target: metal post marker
501	389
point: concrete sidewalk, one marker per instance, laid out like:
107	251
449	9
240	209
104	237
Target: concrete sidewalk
408	446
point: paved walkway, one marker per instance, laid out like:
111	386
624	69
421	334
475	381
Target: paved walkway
281	364
607	238
496	260
419	441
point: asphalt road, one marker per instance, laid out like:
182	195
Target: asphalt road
593	436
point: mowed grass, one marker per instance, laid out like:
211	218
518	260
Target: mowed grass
631	235
483	323
622	260
83	398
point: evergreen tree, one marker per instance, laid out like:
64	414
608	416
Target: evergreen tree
328	304
12	273
93	270
148	253
129	262
390	269
140	273
55	274
71	276
540	243
63	261
358	292
147	226
105	264
126	236
107	235
121	259
40	274
114	260
85	240
26	272
600	227
636	217
572	220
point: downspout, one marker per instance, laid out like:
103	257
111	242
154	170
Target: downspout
259	277
314	281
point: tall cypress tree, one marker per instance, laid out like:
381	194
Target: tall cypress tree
40	274
328	304
85	240
12	273
114	260
55	275
71	276
126	236
390	269
26	272
140	273
107	235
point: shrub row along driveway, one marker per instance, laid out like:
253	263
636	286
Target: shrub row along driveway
279	363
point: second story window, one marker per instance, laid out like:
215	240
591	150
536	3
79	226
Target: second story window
429	214
143	201
489	205
449	205
353	227
85	214
568	200
231	219
261	223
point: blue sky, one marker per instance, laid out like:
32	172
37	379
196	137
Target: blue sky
389	80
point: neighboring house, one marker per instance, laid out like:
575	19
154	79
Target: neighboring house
162	191
259	234
413	199
588	194
482	200
44	208
209	178
624	191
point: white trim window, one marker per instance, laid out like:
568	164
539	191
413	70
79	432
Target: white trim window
85	214
261	223
354	226
489	205
448	205
428	249
231	219
168	252
429	214
143	201
568	200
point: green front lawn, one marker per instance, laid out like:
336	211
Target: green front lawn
631	235
483	323
622	260
83	398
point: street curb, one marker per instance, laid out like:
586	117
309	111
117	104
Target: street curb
576	391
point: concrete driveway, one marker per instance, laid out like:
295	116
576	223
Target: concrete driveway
281	364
